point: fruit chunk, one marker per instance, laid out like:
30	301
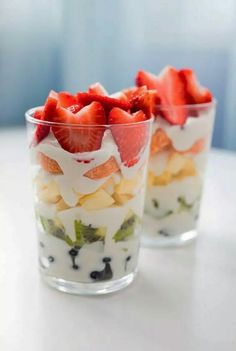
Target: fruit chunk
119	96
141	99
159	141
61	205
127	229
108	186
129	139
42	130
97	200
55	228
173	95
49	193
196	94
129	186
48	164
176	163
122	199
196	148
86	234
103	170
66	99
80	138
97	89
107	102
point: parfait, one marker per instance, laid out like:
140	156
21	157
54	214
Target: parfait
181	136
89	154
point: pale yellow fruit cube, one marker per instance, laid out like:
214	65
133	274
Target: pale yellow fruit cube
109	186
176	163
164	179
129	186
96	201
189	170
61	205
49	193
122	199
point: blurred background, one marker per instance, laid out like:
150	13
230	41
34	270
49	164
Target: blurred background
66	45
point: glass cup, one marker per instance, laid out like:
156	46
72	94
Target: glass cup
88	205
176	170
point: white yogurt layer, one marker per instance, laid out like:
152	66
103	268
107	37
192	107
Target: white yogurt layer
194	129
90	255
72	180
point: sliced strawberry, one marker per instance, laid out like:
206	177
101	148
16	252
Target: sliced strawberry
107	102
38	114
49	109
87	132
119	96
141	99
97	89
66	99
75	108
196	94
129	139
146	78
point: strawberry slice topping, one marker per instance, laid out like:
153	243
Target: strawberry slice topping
75	108
45	114
130	140
84	135
141	99
107	102
196	94
66	99
97	89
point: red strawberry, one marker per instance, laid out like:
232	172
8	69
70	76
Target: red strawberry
87	133
141	99
146	78
75	108
107	102
129	139
66	99
38	114
119	96
196	94
45	115
172	96
98	89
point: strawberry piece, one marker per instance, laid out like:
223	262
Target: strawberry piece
66	99
75	108
49	109
38	114
146	78
87	132
119	96
107	102
130	140
172	96
141	99
196	94
48	164
97	89
103	170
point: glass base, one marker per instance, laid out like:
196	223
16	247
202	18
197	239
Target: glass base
151	238
88	288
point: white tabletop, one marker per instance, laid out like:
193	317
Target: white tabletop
183	299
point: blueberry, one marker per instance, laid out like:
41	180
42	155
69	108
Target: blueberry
51	259
75	266
106	259
128	258
73	252
94	275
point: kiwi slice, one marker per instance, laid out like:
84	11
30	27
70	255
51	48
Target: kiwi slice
86	234
127	229
55	229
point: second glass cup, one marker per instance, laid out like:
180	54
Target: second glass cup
89	206
176	174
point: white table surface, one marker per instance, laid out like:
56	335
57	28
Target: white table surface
183	299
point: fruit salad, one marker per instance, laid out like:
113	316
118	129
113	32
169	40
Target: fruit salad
89	155
181	136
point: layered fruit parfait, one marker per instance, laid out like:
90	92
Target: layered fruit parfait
89	154
184	115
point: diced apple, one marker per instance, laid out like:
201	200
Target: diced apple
61	205
122	199
128	186
108	186
175	163
96	201
50	193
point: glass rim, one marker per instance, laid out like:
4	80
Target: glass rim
193	106
29	118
